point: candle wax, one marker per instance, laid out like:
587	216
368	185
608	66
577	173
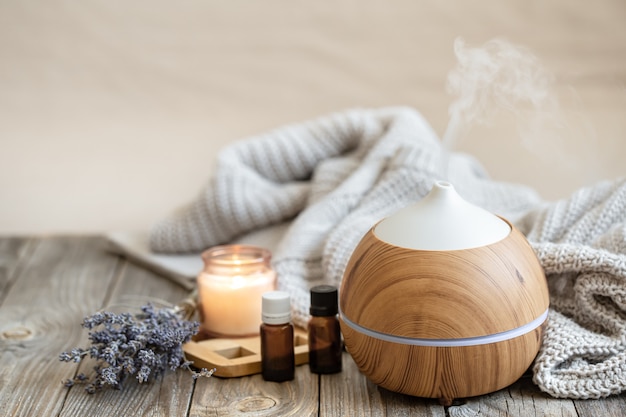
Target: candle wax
232	304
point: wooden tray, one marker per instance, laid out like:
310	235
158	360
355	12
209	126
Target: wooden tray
238	356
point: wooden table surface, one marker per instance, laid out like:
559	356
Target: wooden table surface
47	286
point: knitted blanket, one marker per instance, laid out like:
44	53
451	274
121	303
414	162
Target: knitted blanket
335	177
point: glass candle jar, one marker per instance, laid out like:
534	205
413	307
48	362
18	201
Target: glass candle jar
230	289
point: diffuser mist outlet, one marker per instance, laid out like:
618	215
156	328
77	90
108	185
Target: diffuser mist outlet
443	300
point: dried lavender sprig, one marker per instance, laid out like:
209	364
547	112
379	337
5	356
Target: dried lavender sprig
144	345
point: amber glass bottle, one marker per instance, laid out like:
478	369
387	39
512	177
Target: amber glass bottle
277	343
323	330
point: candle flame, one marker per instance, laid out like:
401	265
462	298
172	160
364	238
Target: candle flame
237	282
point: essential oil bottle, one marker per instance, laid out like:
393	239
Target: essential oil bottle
325	346
277	343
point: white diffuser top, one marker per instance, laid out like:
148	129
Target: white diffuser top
442	221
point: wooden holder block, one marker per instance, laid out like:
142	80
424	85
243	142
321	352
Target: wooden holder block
238	356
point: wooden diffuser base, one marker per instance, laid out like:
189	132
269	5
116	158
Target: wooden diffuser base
443	324
445	373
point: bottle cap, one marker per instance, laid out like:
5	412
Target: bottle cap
323	300
276	307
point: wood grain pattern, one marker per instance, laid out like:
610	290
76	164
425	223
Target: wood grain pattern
523	398
608	407
253	396
12	253
355	395
444	294
442	372
61	281
234	357
360	397
56	281
134	287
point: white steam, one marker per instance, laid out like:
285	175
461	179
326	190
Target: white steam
496	77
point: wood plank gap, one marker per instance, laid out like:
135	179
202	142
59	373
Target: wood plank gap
191	395
522	398
62	279
612	406
577	410
118	271
67	391
129	289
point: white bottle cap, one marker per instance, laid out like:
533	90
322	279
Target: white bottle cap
276	307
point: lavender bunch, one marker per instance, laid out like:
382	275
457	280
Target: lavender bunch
145	345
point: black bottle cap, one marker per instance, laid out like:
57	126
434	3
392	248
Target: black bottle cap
323	300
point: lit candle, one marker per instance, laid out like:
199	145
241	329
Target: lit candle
230	289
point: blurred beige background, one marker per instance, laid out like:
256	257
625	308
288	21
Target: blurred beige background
111	112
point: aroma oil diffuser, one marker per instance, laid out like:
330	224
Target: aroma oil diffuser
443	300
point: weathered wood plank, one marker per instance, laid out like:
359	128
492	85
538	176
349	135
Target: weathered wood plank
349	393
13	251
168	395
523	398
51	284
252	396
606	407
61	281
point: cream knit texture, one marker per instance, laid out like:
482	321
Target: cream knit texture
333	178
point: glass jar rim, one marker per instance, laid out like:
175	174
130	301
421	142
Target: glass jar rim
223	255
